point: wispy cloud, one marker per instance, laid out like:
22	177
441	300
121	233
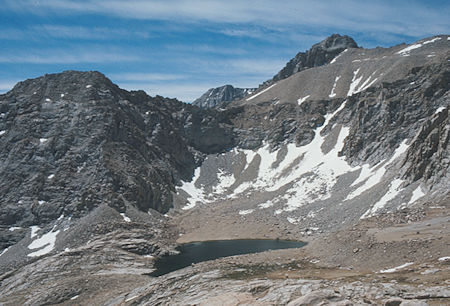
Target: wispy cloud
6	85
146	77
256	66
400	17
67	57
205	48
82	32
56	31
260	67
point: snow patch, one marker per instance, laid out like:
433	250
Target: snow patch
292	220
390	194
440	109
225	181
40	202
125	218
261	92
446	258
301	100
373	175
34	230
367	83
407	50
431	40
417	194
50	176
335	59
62	95
43	140
45	243
88	86
48	100
195	194
400	150
74	297
131	298
391	270
356	87
4	251
2	132
333	94
266	205
14	228
246	212
354	84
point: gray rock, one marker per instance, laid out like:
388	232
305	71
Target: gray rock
74	141
320	54
318	297
220	96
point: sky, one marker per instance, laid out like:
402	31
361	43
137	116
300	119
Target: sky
181	48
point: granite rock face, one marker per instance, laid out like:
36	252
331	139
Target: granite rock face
72	141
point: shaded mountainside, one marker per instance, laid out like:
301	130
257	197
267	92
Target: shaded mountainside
97	182
73	141
220	96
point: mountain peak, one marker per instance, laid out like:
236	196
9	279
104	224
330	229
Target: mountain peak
220	95
320	54
67	80
336	41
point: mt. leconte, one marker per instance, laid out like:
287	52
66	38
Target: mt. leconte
338	148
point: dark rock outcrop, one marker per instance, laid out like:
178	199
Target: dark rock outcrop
74	140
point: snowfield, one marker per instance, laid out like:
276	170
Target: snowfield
300	176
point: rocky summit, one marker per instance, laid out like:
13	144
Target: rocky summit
220	96
345	148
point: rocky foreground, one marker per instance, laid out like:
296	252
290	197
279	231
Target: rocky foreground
396	259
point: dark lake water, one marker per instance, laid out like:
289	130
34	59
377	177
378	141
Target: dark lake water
202	251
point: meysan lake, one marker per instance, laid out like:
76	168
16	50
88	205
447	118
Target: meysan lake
196	252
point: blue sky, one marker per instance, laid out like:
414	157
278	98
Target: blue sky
181	48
